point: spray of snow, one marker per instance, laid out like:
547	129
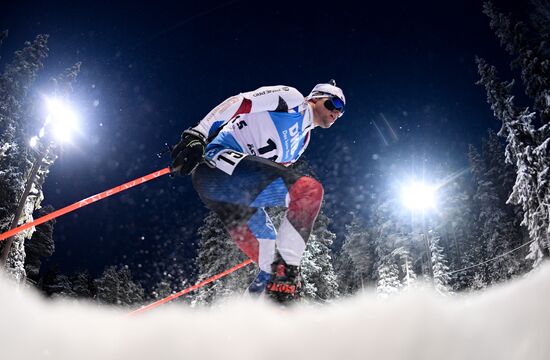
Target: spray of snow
507	322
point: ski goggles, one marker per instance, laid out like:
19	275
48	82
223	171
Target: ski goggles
334	103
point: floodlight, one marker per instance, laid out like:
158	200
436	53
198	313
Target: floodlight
418	196
61	120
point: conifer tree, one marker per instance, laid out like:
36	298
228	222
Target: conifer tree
318	274
217	252
460	223
408	277
502	175
391	236
15	125
40	245
479	282
116	287
387	270
61	287
18	123
527	136
347	274
499	173
439	266
497	228
355	262
82	285
388	277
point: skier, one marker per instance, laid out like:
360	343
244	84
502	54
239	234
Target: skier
238	156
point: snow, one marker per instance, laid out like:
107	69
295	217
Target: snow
508	322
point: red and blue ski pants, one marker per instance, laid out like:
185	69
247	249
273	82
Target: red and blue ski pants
240	200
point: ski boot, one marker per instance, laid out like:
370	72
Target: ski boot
284	283
258	285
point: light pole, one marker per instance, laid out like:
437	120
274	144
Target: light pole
420	197
58	126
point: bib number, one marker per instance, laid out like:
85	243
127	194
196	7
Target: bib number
227	160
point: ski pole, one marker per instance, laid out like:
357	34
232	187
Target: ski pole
189	289
85	202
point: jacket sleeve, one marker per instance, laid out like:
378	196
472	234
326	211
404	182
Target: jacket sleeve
267	98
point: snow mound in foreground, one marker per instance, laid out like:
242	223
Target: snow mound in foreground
508	322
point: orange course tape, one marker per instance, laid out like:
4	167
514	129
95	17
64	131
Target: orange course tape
189	289
85	202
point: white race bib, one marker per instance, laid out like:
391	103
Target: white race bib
227	160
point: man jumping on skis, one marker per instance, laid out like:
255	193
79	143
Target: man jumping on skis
237	156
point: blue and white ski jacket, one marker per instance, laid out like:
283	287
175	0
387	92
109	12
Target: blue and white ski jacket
272	122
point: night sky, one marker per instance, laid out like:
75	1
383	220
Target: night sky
149	71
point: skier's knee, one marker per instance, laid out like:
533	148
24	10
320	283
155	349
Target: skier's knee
307	191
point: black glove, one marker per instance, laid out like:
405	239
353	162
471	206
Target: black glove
188	153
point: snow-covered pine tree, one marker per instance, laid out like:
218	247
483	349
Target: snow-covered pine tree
507	217
47	280
517	127
460	224
539	16
83	285
317	271
62	88
116	287
61	287
40	245
408	277
391	229
217	252
347	274
527	135
439	266
387	270
388	277
15	125
479	282
497	228
54	284
502	174
530	51
18	123
478	248
354	264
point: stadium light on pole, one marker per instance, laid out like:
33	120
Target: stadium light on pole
61	122
419	196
